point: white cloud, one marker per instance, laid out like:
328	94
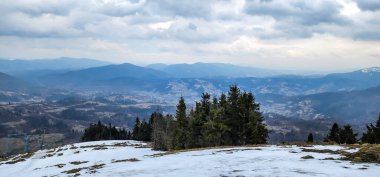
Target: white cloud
273	33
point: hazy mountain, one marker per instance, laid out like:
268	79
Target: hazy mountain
207	70
157	66
369	75
19	67
102	76
13	84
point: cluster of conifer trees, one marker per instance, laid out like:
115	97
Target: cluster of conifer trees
345	135
142	130
102	132
372	135
232	119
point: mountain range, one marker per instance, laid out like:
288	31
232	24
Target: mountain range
352	95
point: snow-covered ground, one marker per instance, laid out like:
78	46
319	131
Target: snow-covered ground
132	158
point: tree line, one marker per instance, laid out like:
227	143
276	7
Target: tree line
100	131
346	135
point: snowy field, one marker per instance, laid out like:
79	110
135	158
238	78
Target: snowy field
132	158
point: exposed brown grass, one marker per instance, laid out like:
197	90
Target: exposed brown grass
206	148
91	169
75	170
367	153
20	158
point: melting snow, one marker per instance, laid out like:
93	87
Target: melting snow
239	161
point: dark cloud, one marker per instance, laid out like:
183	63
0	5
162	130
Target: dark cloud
370	5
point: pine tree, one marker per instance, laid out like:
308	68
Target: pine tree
347	135
333	135
310	138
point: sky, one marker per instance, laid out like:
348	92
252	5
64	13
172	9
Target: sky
278	34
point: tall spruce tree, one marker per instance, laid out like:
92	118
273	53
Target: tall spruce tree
310	138
136	129
159	131
180	134
372	135
347	135
233	119
333	135
256	131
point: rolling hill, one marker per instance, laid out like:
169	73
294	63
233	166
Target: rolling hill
13	84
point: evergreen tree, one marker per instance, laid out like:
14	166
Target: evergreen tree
333	135
200	117
159	131
310	138
372	135
136	130
233	121
180	134
255	132
347	135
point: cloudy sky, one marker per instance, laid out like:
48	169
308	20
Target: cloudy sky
279	34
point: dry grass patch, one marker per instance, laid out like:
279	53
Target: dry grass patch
367	153
20	158
75	170
91	169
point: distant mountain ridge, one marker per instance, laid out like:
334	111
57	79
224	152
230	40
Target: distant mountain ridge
208	70
10	83
22	66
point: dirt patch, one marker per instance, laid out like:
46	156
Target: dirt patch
307	157
126	160
78	162
61	165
